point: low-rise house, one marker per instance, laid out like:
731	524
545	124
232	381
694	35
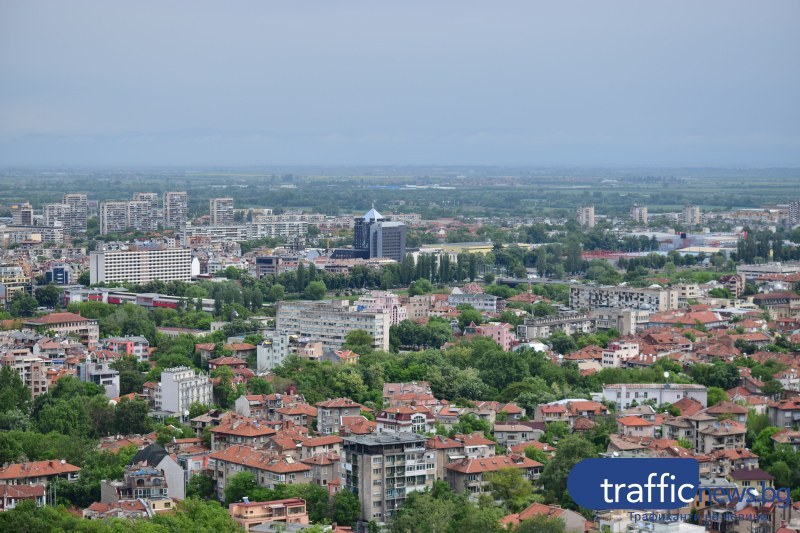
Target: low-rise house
785	436
326	470
624	394
634	426
785	413
268	468
729	411
145	483
330	413
476	445
318	445
11	495
37	472
300	414
125	509
447	451
288	511
573	522
239	430
357	425
753	477
726	461
473	475
725	435
415	419
156	456
510	434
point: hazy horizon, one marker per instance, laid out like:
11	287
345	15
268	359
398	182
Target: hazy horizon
521	84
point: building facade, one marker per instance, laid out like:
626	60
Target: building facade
141	265
382	469
585	214
179	388
220	211
176	209
331	321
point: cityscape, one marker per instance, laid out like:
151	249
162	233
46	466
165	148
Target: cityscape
275	286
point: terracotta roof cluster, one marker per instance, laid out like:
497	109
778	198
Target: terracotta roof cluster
259	460
491	464
37	469
242	426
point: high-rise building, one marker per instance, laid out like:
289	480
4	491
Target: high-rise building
22	214
586	216
379	236
794	213
639	213
691	215
140	265
175	209
383	468
142	216
331	321
150	197
78	213
221	211
113	217
71	213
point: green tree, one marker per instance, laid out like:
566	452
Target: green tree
200	486
469	315
357	339
346	508
22	304
716	395
132	417
238	486
542	524
48	296
315	290
10	448
510	486
571	450
258	385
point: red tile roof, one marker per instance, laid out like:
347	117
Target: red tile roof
37	469
491	464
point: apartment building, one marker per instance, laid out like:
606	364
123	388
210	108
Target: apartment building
619	353
691	215
487	303
623	394
179	388
68	325
594	296
22	214
542	328
330	322
331	412
472	475
141	265
113	217
142	216
176	209
220	211
269	469
78	212
639	213
31	369
383	468
626	321
585	214
100	373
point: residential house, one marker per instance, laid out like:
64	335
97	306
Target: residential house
289	511
330	413
240	430
573	522
473	475
416	419
268	468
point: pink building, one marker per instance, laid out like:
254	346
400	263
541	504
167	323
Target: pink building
501	333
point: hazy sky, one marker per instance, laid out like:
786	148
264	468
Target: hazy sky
405	82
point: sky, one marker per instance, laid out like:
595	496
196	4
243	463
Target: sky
559	82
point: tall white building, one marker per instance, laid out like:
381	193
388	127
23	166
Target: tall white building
691	215
142	216
176	209
639	213
386	302
179	388
586	215
141	265
331	321
593	296
221	211
113	217
79	211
